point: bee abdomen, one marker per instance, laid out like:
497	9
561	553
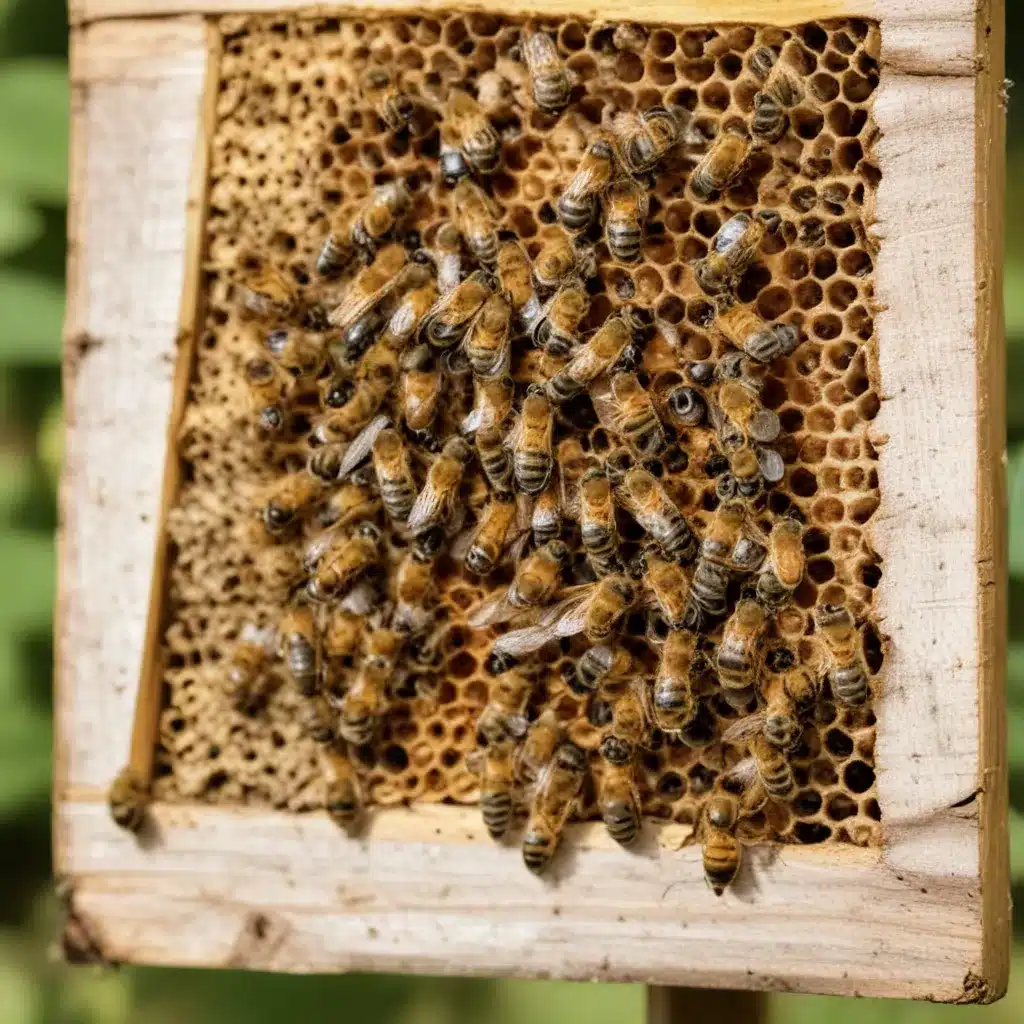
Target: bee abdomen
625	241
551	93
770	589
562	387
678	540
721	861
622	821
356	730
537	851
333	256
497	813
343	803
398	496
532	471
850	684
778	780
479	561
576	213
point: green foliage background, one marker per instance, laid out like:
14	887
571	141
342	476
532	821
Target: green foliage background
33	182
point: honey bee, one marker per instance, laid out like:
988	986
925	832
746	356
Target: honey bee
720	848
790	697
337	251
595	610
348	421
492	404
128	799
247	660
268	390
750	467
414	590
550	80
538	748
300	648
546	520
644	140
351	503
769	121
720	166
847	670
301	353
673	698
452	315
598	665
489	343
577	204
617	798
537	580
628	731
780	83
366	700
389	272
503	719
597	356
768	762
317	720
393	106
786	562
497	782
414	305
474	134
743	328
436	502
344	801
553	803
733	250
394	475
515	276
495	461
378	218
532	460
628	205
556	260
598	531
286	500
475	214
739	653
342	636
334	462
336	560
740	418
421	389
556	329
269	295
645	499
669	586
493	530
629	412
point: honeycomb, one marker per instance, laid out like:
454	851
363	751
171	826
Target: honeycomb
295	145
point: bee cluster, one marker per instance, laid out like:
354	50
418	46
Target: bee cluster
527	455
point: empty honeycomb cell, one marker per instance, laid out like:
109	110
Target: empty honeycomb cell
715	96
808	294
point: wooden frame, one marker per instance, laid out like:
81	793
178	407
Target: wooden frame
926	916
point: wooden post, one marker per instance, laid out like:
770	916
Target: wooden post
705	1006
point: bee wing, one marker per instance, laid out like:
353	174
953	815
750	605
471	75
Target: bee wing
494	610
744	772
569	616
764	426
361	447
551	625
606	407
475	761
585	180
361	599
318	547
744	728
428	508
773	469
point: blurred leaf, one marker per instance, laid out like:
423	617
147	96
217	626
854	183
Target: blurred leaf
27	558
1015	489
20	224
1015	725
33	314
21	1000
1015	675
15	483
34	128
50	442
1016	846
25	743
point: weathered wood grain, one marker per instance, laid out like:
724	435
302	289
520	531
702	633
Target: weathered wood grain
422	893
424	890
135	96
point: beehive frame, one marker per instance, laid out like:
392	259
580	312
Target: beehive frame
926	916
